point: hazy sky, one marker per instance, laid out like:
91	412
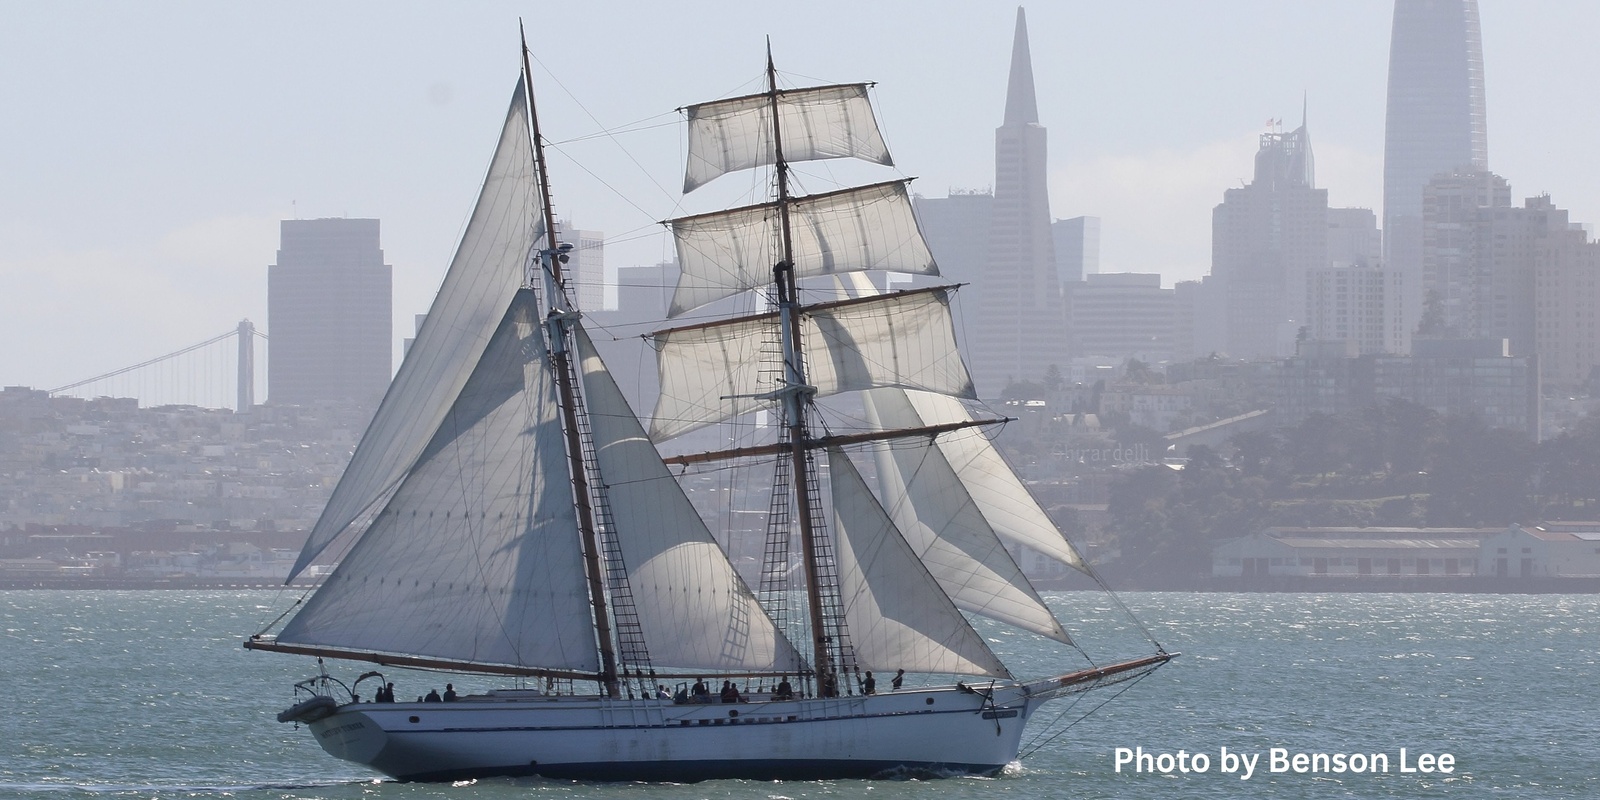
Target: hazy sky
148	150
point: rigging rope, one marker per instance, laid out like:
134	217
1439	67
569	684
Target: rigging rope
158	359
1126	685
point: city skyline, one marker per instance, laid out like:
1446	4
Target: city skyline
161	158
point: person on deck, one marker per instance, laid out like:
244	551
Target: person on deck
449	692
869	685
700	694
899	679
730	693
433	697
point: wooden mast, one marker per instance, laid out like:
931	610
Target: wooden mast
795	395
559	327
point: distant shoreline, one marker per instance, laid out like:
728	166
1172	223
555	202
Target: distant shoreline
152	583
1264	584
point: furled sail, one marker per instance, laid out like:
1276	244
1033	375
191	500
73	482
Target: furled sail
820	122
476	557
488	269
718	371
897	615
695	611
996	490
945	526
727	252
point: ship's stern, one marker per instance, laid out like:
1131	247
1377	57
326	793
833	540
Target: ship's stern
350	735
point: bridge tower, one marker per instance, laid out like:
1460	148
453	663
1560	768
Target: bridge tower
247	367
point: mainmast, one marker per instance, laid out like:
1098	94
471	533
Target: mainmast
559	332
795	396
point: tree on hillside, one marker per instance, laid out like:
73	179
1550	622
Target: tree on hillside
1569	472
1319	445
1480	476
1136	371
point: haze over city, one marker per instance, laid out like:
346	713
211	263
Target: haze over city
152	151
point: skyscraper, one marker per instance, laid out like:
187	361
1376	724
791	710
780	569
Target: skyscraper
1355	297
1265	239
1566	294
329	306
1020	328
586	267
1077	243
1455	289
1436	121
1356	302
1122	315
957	230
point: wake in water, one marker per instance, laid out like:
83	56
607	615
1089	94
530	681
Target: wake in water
162	790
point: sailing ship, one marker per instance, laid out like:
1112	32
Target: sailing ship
508	513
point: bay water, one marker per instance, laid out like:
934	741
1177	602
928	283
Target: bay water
148	694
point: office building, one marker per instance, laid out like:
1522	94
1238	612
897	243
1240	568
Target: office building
1455	288
1077	245
1019	330
1436	123
329	314
585	269
1477	377
1357	303
1473	377
1122	315
1566	299
1353	237
1265	238
957	231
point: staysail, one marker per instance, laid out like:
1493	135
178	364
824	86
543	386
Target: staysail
945	526
897	615
863	228
820	122
694	610
475	558
1007	506
489	267
715	372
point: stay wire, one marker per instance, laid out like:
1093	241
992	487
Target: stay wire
1126	685
608	133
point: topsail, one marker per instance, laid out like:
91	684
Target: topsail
867	227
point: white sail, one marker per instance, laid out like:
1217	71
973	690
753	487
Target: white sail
1008	508
821	122
946	528
714	372
1006	504
868	227
895	612
695	611
487	270
476	557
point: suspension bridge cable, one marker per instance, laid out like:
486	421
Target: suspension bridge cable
157	360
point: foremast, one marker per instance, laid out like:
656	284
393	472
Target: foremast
559	321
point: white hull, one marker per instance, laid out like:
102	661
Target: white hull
936	731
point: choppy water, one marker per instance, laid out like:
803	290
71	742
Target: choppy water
149	695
